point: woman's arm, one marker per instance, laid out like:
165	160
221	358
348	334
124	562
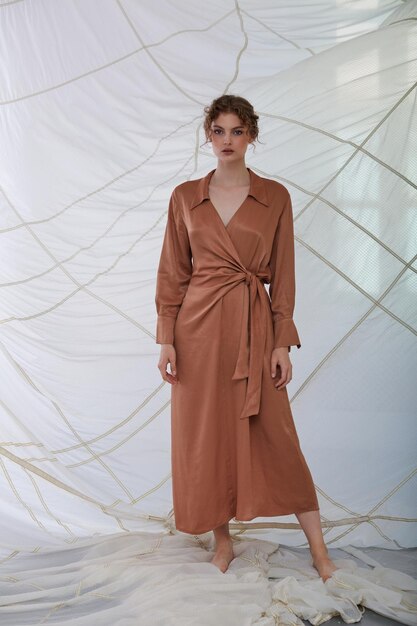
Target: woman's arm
174	273
282	285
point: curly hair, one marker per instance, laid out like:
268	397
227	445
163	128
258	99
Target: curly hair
229	103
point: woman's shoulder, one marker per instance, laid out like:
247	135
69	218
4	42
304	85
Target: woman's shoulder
189	193
187	187
184	188
275	193
184	195
274	186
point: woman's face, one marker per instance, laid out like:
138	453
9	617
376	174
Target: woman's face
228	133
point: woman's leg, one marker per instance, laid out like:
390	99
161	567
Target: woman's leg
311	525
224	547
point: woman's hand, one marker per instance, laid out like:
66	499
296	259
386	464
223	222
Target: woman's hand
168	355
280	357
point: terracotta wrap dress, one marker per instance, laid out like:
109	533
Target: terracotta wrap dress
235	452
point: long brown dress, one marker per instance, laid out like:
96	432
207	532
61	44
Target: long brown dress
235	451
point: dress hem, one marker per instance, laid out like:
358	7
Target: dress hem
244	519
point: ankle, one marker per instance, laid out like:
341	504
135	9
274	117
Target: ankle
319	551
223	541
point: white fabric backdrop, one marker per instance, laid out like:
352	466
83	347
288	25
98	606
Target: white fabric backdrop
101	117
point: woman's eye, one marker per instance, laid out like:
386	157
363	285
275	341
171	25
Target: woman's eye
217	131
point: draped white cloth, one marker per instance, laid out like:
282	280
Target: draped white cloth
101	116
167	580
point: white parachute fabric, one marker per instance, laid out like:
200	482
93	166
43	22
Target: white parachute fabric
101	116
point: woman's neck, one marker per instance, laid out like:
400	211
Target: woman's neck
231	174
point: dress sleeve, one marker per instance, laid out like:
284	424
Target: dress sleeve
174	273
282	285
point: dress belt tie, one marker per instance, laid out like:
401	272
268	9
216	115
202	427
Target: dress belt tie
252	341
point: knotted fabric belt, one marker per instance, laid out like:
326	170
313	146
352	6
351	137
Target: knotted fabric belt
249	363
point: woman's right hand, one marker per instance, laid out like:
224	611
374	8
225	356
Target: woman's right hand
168	355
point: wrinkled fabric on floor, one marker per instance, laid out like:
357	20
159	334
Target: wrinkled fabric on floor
167	580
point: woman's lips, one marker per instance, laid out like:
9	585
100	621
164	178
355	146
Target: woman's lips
227	151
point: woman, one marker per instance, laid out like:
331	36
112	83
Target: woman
235	449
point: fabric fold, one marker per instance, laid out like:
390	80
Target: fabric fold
252	341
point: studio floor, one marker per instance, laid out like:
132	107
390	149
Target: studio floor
165	579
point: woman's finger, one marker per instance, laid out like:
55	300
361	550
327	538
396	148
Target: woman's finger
282	378
171	379
286	377
172	365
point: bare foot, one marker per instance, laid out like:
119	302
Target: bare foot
223	555
324	565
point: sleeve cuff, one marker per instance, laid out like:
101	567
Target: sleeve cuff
285	334
165	329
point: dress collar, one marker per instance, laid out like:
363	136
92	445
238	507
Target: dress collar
257	188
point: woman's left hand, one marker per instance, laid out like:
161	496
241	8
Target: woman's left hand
280	357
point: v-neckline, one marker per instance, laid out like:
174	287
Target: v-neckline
226	226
